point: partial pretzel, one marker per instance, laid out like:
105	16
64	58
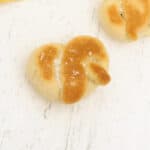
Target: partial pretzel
126	19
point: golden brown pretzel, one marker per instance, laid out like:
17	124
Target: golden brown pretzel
126	19
83	65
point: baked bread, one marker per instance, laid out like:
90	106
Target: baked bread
126	19
69	72
6	1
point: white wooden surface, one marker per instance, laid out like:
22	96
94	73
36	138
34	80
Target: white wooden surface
116	117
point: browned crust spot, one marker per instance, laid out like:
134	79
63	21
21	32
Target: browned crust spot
45	61
101	73
114	15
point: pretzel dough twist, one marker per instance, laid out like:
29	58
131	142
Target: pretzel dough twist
83	65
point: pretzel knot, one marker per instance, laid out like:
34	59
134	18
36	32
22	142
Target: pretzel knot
69	72
126	19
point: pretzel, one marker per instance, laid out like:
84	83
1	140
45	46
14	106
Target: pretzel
126	19
69	72
6	1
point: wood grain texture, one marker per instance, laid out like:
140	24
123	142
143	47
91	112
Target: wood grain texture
115	117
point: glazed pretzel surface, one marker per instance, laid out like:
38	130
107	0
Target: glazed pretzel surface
82	60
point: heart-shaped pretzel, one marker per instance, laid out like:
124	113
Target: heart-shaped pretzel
69	72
